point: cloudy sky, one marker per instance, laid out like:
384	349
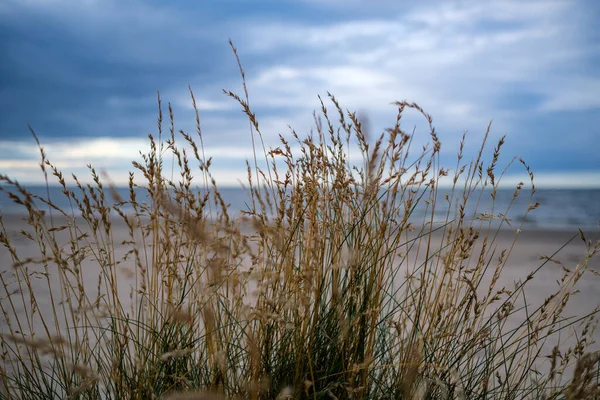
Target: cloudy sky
85	74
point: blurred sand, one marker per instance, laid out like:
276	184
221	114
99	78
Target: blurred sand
523	259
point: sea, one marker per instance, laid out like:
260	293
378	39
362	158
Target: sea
559	209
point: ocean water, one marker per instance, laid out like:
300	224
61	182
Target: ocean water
563	209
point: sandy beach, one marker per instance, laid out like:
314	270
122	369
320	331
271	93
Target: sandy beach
524	258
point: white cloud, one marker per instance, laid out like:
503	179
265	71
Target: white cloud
113	155
29	173
119	177
19	149
97	149
575	94
455	59
558	180
10	166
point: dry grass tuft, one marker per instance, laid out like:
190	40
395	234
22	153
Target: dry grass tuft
326	287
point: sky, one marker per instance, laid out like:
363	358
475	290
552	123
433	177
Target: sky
85	75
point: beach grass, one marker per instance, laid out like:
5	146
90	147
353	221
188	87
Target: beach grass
326	286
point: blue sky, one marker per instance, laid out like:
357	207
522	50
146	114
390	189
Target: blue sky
85	73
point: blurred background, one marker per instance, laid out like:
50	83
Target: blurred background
85	75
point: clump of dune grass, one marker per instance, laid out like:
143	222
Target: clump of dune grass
326	286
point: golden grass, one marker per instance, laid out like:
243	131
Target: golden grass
326	288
